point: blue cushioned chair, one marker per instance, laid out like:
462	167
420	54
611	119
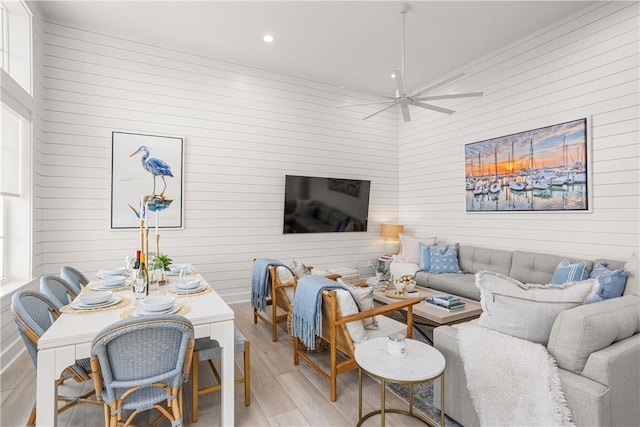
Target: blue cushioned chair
74	277
34	313
139	364
208	350
57	290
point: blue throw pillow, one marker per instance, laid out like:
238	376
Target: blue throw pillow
444	259
611	283
425	257
567	272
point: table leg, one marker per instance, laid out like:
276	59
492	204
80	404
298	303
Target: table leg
382	403
46	389
359	394
223	333
411	399
442	399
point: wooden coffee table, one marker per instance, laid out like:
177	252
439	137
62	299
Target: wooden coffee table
426	314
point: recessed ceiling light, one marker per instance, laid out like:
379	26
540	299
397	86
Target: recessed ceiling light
268	38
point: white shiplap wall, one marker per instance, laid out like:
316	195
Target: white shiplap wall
244	129
583	66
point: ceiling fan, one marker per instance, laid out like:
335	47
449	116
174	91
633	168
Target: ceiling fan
416	99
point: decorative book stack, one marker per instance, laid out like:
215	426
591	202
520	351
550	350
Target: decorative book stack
446	302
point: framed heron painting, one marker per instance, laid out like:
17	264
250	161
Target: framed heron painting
146	180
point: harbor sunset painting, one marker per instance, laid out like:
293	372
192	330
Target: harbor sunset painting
543	169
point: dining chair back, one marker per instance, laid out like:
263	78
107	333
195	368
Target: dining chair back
139	364
74	277
209	350
34	313
58	290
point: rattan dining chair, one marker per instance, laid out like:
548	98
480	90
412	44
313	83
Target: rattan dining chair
208	350
58	290
139	364
74	277
34	313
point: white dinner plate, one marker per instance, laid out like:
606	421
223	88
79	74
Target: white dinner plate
102	287
181	291
80	306
143	312
111	277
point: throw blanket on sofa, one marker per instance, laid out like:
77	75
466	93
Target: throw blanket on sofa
511	381
260	281
306	321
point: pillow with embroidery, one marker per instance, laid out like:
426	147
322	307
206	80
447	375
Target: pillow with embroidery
611	283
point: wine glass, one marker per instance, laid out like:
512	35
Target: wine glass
182	279
128	262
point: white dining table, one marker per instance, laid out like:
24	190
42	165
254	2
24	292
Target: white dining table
70	337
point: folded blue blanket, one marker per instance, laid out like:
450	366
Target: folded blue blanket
260	281
306	321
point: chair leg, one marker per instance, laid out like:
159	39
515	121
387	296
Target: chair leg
274	321
32	416
247	373
255	316
194	386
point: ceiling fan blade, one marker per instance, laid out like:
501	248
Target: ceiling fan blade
451	96
399	78
405	112
432	107
379	111
365	103
437	85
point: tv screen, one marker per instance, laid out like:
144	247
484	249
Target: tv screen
325	205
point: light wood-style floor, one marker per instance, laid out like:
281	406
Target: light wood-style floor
281	394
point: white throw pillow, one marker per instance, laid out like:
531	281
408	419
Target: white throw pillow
527	310
410	251
364	296
285	275
347	307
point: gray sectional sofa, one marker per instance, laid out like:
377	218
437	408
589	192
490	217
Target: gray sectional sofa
596	346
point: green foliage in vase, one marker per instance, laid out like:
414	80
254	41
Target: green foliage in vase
165	260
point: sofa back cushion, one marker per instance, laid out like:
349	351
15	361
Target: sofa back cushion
473	259
583	330
633	281
533	267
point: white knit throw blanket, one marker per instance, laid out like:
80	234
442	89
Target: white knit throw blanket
512	382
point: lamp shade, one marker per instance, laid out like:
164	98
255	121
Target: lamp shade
391	231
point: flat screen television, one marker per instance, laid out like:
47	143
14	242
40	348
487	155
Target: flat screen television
325	205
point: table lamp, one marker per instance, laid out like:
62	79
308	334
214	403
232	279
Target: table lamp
390	232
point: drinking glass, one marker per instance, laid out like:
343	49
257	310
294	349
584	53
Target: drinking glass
140	288
182	277
128	262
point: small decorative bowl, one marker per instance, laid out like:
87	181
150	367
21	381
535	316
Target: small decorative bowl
94	298
188	284
175	268
112	281
158	302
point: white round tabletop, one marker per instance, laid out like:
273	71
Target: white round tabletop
422	362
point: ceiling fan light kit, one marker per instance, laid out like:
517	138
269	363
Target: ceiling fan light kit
415	99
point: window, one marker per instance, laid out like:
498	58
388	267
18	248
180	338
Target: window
15	42
15	143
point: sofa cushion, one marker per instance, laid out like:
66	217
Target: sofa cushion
410	251
444	258
526	310
611	282
578	332
424	257
473	259
633	281
533	267
463	285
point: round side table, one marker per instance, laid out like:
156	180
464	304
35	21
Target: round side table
423	363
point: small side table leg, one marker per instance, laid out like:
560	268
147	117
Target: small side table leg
359	394
382	403
411	399
442	399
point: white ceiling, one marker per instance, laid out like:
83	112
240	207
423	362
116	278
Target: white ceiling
353	44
